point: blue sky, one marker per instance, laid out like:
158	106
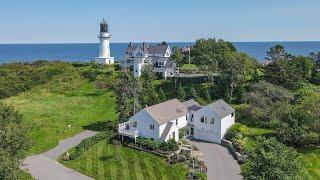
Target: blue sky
72	21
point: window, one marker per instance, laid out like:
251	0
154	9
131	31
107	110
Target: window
186	117
212	121
232	114
152	126
136	70
176	121
202	119
160	64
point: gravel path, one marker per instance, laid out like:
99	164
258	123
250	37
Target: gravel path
220	163
45	167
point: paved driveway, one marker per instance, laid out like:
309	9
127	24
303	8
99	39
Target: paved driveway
45	167
221	165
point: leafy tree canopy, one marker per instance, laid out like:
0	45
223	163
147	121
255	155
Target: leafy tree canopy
14	142
271	160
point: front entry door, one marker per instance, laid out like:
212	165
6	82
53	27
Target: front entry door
192	131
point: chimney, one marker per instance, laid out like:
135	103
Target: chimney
130	44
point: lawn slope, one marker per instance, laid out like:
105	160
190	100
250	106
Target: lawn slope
48	109
104	161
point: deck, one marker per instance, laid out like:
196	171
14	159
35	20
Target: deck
124	130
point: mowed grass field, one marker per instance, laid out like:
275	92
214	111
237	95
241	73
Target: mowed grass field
48	110
311	164
105	161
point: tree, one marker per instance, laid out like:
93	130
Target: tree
147	78
177	56
181	94
299	124
277	53
289	73
315	57
207	94
271	160
192	93
162	95
208	53
14	142
315	75
236	70
261	99
128	91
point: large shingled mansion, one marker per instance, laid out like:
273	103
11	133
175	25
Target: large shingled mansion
137	57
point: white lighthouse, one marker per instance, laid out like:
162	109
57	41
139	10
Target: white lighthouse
104	49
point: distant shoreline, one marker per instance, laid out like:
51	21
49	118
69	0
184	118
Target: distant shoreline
86	52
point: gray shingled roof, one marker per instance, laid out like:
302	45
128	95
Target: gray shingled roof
167	111
222	108
131	48
192	105
157	49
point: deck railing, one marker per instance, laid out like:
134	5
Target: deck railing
124	129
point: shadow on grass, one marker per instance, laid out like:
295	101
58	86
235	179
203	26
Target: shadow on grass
101	126
106	158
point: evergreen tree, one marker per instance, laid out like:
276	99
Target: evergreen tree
162	95
128	91
177	55
147	77
207	95
181	94
192	93
277	53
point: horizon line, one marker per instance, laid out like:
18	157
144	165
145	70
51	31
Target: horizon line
276	41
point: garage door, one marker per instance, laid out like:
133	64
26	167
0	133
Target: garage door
207	135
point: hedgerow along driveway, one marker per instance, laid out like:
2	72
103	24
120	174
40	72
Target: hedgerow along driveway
44	166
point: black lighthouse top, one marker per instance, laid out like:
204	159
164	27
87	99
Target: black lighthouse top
104	26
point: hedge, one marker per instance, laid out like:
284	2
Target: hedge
85	144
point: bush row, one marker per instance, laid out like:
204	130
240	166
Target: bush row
152	145
87	143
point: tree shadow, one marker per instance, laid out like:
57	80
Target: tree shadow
106	158
101	126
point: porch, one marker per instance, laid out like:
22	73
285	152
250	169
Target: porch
124	130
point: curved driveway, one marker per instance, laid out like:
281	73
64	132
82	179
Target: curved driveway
45	167
221	164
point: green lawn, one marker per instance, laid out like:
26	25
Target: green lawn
104	161
311	163
48	110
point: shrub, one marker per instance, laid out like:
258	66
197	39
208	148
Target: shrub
152	145
87	143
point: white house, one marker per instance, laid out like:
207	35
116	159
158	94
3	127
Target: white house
211	122
158	56
163	121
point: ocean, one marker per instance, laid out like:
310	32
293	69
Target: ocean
86	52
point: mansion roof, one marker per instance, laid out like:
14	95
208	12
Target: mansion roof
148	49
